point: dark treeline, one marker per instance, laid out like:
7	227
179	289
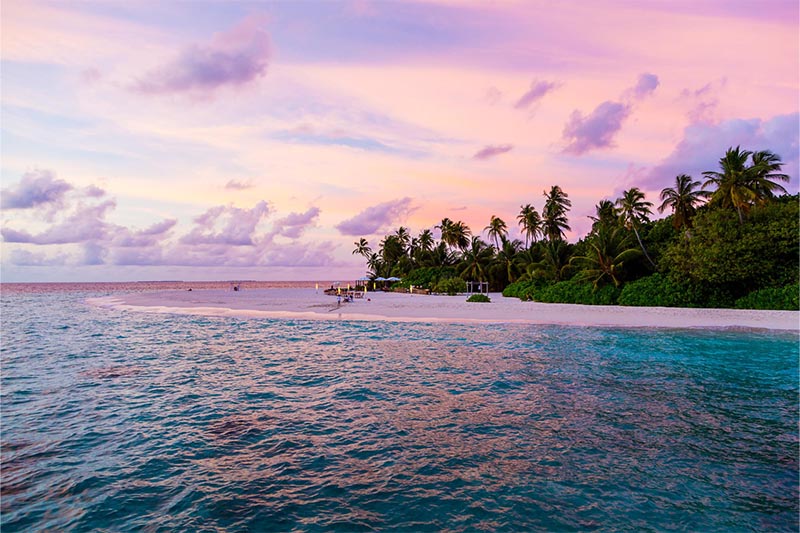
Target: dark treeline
731	240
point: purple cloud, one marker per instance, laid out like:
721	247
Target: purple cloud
377	218
537	91
645	86
234	57
27	258
86	224
703	144
598	128
236	225
293	225
234	185
146	237
35	188
704	101
595	130
490	151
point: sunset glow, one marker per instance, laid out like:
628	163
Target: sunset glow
217	140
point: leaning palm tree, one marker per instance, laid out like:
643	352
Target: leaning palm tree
682	199
531	223
496	230
554	214
607	251
766	168
634	210
362	248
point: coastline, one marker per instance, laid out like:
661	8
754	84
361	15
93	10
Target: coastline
310	304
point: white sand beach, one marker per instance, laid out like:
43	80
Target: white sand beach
312	304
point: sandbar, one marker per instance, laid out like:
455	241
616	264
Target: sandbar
315	305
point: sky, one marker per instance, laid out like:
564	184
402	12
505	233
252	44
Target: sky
203	140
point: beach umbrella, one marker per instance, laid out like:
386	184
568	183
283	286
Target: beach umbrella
393	279
381	278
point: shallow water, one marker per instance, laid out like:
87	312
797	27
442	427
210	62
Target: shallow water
130	421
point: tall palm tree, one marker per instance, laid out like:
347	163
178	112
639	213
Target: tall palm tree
403	235
554	214
606	253
362	248
460	235
425	240
531	223
682	199
476	260
496	230
733	182
634	210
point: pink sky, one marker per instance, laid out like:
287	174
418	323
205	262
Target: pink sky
203	140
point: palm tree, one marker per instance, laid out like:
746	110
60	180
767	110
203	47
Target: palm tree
606	254
362	248
531	223
476	259
455	234
508	258
634	210
375	265
496	230
606	215
733	182
425	240
554	263
554	214
682	199
766	167
403	235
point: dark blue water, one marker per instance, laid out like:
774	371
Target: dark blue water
121	421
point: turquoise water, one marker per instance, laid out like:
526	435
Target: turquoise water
121	421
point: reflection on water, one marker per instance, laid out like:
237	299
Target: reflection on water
126	421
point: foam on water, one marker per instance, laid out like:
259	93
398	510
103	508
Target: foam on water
124	421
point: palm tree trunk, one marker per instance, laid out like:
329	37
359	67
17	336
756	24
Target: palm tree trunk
642	245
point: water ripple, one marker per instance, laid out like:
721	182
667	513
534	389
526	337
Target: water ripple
128	422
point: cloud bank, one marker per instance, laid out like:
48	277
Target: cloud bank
223	235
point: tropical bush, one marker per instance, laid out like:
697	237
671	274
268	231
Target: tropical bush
482	298
576	292
659	290
426	277
451	286
781	298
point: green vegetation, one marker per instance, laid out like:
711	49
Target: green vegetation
482	298
451	286
730	242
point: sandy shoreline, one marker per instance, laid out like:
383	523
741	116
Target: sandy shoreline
313	305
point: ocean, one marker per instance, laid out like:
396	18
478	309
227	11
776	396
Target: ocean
124	421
